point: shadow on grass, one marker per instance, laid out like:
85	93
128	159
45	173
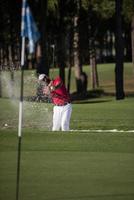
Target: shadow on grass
91	101
86	95
94	94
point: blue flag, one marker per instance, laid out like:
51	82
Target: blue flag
28	27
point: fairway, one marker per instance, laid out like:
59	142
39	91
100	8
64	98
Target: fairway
68	166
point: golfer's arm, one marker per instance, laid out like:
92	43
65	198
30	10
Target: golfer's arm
54	87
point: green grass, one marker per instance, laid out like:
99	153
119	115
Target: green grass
69	166
65	166
101	113
76	165
104	113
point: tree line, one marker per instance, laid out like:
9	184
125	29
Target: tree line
73	33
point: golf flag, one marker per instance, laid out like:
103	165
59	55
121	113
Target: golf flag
28	27
30	31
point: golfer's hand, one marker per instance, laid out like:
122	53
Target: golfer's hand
46	90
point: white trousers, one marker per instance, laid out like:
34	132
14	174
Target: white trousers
61	117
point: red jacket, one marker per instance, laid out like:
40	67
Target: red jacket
60	96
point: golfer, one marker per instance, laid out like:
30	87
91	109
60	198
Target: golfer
61	99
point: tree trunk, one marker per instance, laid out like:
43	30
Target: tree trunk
43	66
119	53
12	82
132	38
94	71
69	78
111	47
77	65
70	63
81	77
61	42
128	47
1	57
92	64
92	52
0	84
62	66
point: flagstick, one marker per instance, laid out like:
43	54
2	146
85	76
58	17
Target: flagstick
20	119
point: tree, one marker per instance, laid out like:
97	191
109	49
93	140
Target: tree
98	15
43	65
9	36
132	38
81	77
128	12
56	31
0	84
61	39
119	52
92	50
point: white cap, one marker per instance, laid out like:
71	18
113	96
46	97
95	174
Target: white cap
41	77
